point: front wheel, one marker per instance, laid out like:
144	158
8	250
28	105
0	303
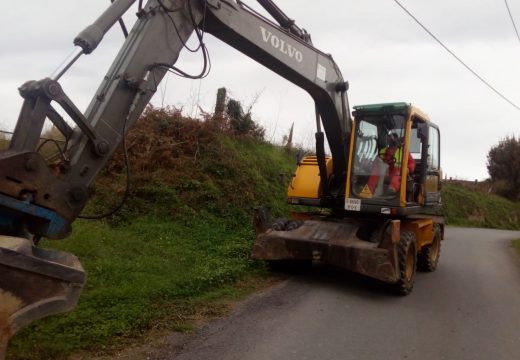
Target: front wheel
428	258
407	261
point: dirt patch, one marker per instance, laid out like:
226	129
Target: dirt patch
10	305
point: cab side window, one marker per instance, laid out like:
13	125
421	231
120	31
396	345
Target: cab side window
415	144
433	149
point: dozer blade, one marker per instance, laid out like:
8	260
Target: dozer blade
338	243
34	283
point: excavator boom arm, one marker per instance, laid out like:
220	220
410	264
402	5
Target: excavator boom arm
153	45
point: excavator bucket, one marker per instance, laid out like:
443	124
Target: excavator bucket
34	283
367	247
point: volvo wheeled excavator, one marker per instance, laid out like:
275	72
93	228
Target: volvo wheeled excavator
377	194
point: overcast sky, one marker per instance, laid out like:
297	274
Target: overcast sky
384	55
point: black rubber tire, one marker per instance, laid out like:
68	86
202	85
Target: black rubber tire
428	258
289	266
407	260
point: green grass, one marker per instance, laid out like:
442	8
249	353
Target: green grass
516	245
464	207
139	276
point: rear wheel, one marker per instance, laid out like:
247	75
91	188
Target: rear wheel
407	260
429	256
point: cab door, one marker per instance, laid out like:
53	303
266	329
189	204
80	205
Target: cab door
433	170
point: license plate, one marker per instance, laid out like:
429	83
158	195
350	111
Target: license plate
353	204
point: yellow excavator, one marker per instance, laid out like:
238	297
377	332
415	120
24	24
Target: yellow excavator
386	221
378	193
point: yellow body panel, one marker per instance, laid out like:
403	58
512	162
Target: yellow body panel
351	152
423	230
404	166
415	111
307	182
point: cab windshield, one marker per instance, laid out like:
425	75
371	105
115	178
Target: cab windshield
377	157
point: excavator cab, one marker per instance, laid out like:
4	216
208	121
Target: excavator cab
393	167
395	161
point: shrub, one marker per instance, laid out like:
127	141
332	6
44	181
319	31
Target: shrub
504	167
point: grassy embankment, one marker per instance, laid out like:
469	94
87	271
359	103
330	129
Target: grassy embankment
464	207
179	248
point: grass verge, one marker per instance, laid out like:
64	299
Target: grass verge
148	275
464	207
516	245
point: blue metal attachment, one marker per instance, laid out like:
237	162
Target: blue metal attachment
8	219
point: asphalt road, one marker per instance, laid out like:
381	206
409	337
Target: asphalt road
468	309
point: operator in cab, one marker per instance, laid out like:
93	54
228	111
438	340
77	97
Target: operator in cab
391	157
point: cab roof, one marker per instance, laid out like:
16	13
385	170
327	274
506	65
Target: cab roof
396	108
